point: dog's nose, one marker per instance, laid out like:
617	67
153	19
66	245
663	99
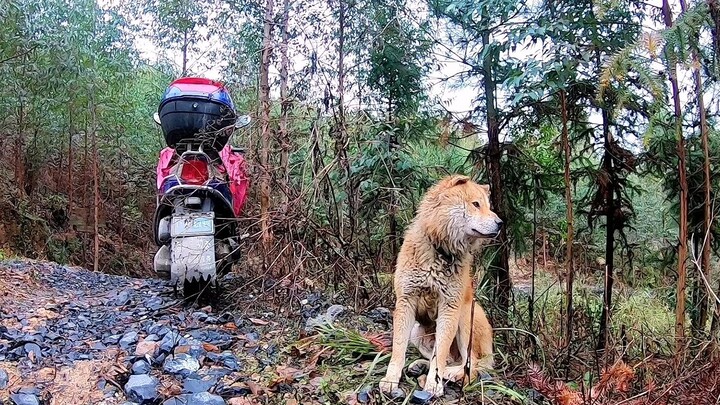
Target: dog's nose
498	222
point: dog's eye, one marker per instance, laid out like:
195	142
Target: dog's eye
476	204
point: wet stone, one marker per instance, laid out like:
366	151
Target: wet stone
202	398
128	340
364	395
226	358
200	316
112	339
171	340
219	339
397	393
182	364
141	367
142	389
380	315
25	399
3	379
196	384
420	397
34	349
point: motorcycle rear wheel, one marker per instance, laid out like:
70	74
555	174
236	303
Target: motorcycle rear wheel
197	289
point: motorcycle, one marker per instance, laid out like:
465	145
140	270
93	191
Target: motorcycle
201	184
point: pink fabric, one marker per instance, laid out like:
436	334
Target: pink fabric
163	167
235	167
237	173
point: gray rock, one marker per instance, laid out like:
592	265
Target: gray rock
183	364
420	397
197	384
364	395
142	388
328	317
128	340
334	311
397	393
3	379
141	367
25	399
201	398
34	349
171	340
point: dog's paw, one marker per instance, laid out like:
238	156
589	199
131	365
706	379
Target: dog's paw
456	374
436	389
387	386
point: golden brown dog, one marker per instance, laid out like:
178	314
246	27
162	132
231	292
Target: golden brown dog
433	285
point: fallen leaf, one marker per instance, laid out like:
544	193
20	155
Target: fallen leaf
257	321
230	326
210	348
285	375
241	401
255	388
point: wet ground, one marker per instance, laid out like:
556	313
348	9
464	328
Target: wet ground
72	336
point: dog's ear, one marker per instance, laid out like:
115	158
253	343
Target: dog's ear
486	188
458	180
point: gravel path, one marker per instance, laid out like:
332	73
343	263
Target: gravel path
72	336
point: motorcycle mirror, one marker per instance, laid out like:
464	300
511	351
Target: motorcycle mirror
242	121
156	117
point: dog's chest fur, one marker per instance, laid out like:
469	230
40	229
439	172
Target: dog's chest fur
436	274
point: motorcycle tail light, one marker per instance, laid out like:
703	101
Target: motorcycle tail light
194	172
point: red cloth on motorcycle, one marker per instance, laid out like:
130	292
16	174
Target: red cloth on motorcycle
235	167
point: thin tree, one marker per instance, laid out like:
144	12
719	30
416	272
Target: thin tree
96	189
607	187
265	134
700	291
283	138
682	248
502	268
341	138
570	273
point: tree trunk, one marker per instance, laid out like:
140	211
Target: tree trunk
609	231
531	298
96	193
341	138
184	53
265	127
570	272
682	248
700	322
392	212
500	269
70	166
284	139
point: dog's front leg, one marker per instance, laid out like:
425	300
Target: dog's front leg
446	329
463	341
403	321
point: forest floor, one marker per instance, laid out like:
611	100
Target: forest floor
72	336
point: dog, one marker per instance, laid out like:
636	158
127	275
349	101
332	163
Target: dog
434	306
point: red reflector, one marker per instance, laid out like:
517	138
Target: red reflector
194	172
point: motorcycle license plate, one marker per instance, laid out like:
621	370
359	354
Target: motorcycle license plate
192	225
